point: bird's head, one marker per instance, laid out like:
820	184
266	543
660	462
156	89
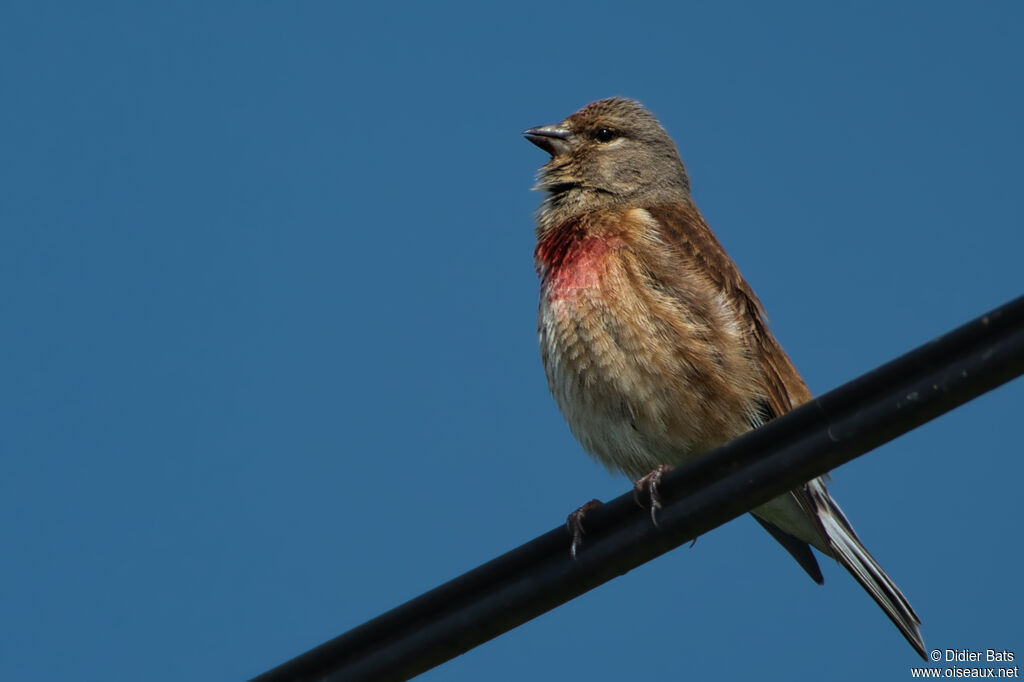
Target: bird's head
611	152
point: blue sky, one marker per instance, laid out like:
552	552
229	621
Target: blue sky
268	319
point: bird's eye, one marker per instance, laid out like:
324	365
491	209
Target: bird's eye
605	134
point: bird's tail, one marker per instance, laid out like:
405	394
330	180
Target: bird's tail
848	550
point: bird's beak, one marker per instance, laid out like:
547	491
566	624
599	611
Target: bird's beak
552	139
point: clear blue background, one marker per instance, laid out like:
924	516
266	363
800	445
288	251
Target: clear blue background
268	322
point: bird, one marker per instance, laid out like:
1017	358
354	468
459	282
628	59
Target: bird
654	346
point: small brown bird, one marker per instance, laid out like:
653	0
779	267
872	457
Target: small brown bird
655	347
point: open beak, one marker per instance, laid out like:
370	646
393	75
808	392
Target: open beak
552	139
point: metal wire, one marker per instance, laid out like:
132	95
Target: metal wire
540	575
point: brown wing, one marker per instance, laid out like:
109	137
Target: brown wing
686	230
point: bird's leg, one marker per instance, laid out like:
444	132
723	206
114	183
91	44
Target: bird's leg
650	483
575	525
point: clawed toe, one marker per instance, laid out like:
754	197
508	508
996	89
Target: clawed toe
574	523
650	483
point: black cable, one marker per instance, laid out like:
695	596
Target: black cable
807	442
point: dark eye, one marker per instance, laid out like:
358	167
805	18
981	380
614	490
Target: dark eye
605	134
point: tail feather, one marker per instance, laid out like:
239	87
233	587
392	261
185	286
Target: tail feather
848	550
797	548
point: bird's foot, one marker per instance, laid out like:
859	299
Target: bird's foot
650	483
575	525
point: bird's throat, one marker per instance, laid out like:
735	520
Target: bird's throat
570	259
